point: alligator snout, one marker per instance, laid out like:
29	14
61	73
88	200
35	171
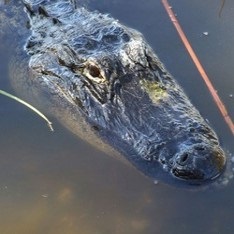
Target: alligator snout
200	162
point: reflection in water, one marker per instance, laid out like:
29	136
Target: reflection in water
55	183
221	7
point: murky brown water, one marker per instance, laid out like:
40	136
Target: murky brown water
55	183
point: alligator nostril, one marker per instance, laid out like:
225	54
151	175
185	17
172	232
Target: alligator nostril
184	157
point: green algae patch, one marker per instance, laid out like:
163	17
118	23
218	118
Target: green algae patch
155	90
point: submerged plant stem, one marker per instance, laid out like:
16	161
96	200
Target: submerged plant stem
29	106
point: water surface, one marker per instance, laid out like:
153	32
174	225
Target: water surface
55	183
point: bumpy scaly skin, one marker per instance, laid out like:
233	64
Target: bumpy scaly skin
109	76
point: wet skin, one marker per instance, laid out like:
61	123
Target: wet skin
107	75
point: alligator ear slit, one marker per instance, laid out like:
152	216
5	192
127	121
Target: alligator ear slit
42	11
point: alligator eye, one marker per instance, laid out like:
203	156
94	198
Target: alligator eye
94	71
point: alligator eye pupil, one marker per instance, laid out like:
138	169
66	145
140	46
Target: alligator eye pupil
94	71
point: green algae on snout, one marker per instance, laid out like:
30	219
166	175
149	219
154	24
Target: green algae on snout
155	90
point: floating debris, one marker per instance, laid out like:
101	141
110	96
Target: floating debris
205	33
29	106
156	182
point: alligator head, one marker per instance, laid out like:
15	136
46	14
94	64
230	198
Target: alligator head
110	74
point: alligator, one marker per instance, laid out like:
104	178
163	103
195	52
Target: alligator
104	82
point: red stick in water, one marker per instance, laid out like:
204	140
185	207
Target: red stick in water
201	70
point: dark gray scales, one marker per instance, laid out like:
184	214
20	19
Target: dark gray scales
105	83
